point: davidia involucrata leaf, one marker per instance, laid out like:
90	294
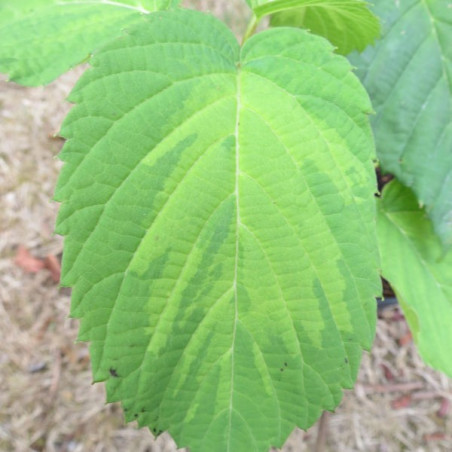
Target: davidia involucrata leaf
409	77
348	24
413	262
42	39
220	228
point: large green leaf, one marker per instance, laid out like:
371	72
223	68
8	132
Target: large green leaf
413	262
219	219
348	24
42	39
409	78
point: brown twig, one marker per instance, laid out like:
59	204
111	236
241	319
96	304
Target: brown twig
322	432
399	387
56	375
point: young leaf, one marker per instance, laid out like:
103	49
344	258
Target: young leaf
219	219
348	24
409	77
413	262
42	39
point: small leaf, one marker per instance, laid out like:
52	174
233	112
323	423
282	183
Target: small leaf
421	275
408	75
219	217
42	39
348	24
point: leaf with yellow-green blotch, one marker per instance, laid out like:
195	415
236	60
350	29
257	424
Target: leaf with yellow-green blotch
219	222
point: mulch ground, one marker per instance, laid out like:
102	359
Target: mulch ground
47	401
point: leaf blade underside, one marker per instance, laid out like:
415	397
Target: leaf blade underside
413	262
219	304
42	39
347	24
408	75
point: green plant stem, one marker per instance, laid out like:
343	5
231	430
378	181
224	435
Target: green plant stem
252	24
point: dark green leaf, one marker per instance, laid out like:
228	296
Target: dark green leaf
408	75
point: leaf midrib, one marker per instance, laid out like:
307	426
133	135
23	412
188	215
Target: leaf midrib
237	244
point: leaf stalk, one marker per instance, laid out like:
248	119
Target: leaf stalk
250	29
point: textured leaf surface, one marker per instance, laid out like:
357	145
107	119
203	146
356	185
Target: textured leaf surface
348	24
219	219
408	75
42	39
413	262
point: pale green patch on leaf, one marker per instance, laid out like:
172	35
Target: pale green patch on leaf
413	262
42	39
408	75
219	218
348	24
